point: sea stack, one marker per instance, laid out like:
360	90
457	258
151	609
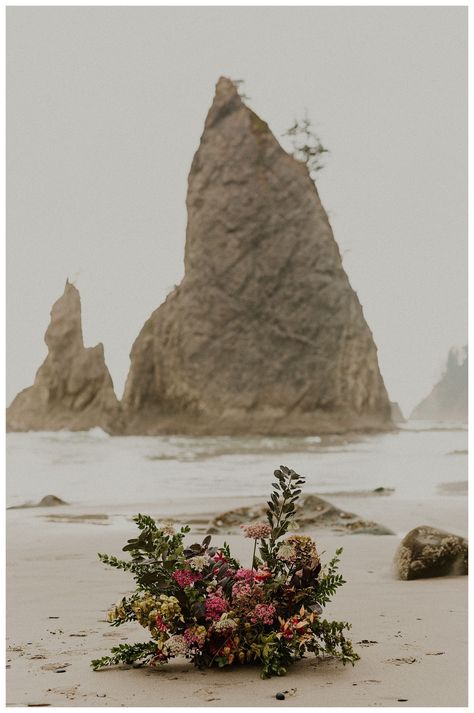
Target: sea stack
397	415
73	389
448	400
264	335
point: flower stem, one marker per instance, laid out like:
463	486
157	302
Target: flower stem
253	556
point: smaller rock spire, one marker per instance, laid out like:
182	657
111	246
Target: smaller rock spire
65	328
73	388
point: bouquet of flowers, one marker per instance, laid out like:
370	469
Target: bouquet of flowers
201	603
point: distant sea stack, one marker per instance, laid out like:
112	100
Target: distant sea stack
397	415
73	389
264	334
448	400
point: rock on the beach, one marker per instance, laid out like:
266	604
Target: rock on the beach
264	334
429	552
48	501
311	512
73	388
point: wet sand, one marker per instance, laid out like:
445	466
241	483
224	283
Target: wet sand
412	635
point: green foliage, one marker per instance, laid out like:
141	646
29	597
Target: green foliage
273	655
329	581
239	85
154	555
330	641
113	561
130	654
281	508
306	145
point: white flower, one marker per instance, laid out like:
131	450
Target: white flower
286	552
176	645
198	563
168	528
225	624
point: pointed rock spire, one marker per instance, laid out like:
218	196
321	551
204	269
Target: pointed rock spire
64	332
226	100
73	389
264	334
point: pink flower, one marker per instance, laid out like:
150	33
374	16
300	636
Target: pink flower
219	557
257	530
185	578
251	575
214	607
263	614
160	624
241	590
246	594
246	574
195	636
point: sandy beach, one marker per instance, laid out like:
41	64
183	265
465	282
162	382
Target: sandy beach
237	301
411	636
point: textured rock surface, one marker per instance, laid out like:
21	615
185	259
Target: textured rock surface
73	389
264	334
429	552
448	401
312	511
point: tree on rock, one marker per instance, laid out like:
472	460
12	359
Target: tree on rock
306	145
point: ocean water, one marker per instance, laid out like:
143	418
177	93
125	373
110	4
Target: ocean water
422	460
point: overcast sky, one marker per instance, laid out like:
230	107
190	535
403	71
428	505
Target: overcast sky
105	108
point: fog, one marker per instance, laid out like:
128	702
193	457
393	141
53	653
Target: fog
105	107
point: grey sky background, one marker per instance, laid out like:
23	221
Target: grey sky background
105	108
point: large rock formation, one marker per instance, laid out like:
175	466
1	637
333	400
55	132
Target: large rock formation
448	400
264	334
429	552
73	389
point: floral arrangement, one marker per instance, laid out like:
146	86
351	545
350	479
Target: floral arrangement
201	603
